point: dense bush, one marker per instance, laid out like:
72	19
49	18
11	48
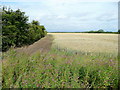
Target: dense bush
17	31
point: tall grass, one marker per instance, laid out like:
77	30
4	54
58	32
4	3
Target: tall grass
59	68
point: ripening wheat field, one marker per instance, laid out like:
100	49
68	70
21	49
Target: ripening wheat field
87	42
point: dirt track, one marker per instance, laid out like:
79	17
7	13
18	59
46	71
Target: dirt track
43	44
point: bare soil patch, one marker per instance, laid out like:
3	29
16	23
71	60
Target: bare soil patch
43	45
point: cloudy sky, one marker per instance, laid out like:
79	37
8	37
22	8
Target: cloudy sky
70	15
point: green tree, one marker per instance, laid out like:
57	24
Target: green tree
37	30
17	31
100	31
14	27
35	22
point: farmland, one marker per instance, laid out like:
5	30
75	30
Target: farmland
71	62
86	42
59	44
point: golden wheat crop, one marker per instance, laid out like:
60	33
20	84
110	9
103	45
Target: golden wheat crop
87	42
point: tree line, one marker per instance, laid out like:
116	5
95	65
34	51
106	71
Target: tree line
16	31
92	31
102	31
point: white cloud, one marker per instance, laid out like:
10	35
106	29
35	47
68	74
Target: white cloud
61	0
70	14
61	16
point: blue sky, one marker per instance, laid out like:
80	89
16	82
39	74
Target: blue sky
69	15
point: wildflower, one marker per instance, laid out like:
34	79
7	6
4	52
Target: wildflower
111	60
38	85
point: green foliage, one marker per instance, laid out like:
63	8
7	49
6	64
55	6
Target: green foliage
36	31
35	22
99	31
17	31
59	69
119	31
